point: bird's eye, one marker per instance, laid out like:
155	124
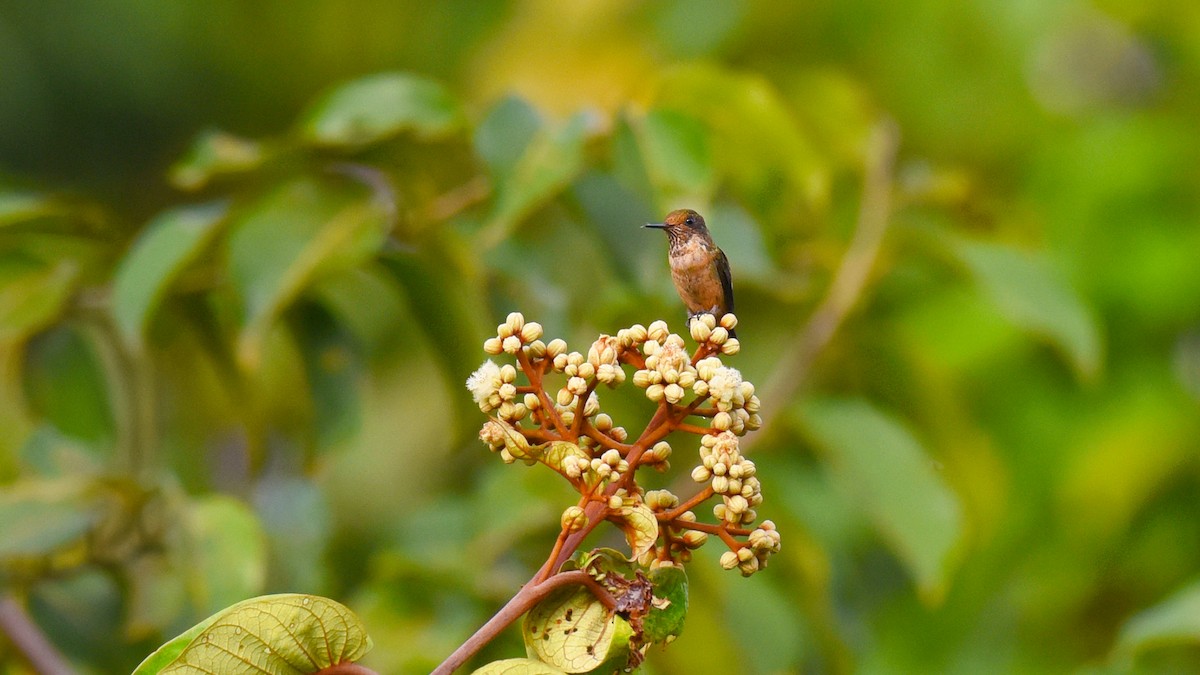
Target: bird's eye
690	221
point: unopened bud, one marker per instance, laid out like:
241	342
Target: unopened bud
574	519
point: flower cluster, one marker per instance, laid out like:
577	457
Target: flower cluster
731	476
563	427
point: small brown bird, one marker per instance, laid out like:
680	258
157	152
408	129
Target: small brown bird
699	269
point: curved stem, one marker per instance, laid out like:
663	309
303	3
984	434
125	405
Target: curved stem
852	274
535	381
529	595
30	641
696	500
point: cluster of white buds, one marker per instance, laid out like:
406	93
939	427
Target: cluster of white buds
495	390
504	438
760	546
669	372
706	329
514	335
565	429
609	466
731	476
737	406
604	358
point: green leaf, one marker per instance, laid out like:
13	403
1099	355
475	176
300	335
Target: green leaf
640	526
272	634
1174	621
229	556
19	207
378	106
212	154
550	162
677	155
1033	295
166	246
372	324
670	604
298	234
570	629
502	137
517	667
67	383
892	479
32	299
42	517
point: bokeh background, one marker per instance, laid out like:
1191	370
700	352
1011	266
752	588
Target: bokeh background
249	252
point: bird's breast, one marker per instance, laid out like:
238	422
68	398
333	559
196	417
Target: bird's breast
694	272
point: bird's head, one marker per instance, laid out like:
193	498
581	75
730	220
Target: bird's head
681	224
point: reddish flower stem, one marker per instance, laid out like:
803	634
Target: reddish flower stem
529	595
696	500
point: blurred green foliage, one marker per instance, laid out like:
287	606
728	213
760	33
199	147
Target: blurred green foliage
249	252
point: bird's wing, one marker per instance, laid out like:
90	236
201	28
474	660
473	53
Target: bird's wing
726	280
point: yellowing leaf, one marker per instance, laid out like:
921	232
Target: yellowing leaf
640	526
557	452
269	635
570	629
517	667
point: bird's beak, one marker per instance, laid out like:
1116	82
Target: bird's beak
656	226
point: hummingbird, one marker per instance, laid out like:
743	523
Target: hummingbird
699	269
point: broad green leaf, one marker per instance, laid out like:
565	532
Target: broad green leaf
1030	293
552	159
570	629
68	383
32	300
1174	621
640	526
212	154
517	667
378	106
43	517
502	136
677	155
372	324
300	233
269	635
229	556
168	244
894	482
670	604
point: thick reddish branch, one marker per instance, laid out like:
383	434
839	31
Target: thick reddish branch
529	595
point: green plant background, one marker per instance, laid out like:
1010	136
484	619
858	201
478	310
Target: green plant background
231	364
